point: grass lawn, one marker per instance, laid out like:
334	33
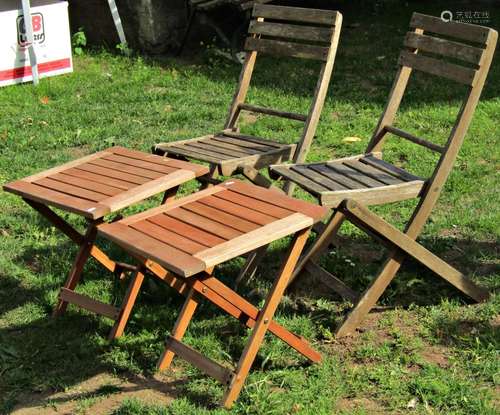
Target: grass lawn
427	350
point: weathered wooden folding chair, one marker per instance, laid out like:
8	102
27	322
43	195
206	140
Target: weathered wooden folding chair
93	187
279	31
369	180
182	242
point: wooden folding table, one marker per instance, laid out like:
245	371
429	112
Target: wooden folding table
92	187
182	242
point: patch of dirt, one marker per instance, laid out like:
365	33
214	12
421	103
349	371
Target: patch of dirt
100	394
436	355
77	152
450	233
354	404
248	118
364	252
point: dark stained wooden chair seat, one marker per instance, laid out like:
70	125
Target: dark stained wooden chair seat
365	178
200	231
105	182
230	151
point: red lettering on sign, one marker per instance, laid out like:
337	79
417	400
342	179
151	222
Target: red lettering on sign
36	22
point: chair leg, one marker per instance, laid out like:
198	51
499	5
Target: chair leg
402	245
212	175
192	14
127	305
256	177
265	317
248	271
180	328
169	195
370	297
321	244
289	187
77	268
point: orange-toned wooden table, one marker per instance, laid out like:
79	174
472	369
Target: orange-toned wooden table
181	243
95	186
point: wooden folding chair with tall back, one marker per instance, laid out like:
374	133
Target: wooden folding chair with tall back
280	31
367	179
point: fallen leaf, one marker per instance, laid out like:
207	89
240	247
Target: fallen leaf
412	403
167	108
4	134
44	100
351	139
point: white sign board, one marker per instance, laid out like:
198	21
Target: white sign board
52	40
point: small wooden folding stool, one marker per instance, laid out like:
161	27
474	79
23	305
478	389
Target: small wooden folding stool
453	51
92	187
181	244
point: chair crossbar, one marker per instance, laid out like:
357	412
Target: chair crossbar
365	219
414	139
274	112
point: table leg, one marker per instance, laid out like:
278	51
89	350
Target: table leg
265	317
77	268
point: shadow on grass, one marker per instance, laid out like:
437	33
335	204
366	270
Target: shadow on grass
53	355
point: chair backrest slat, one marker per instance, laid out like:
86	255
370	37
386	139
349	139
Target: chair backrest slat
294	31
295	14
291	31
461	62
426	46
444	47
474	77
462	31
281	48
438	67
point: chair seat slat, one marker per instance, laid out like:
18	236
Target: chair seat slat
344	175
375	172
228	143
317	173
